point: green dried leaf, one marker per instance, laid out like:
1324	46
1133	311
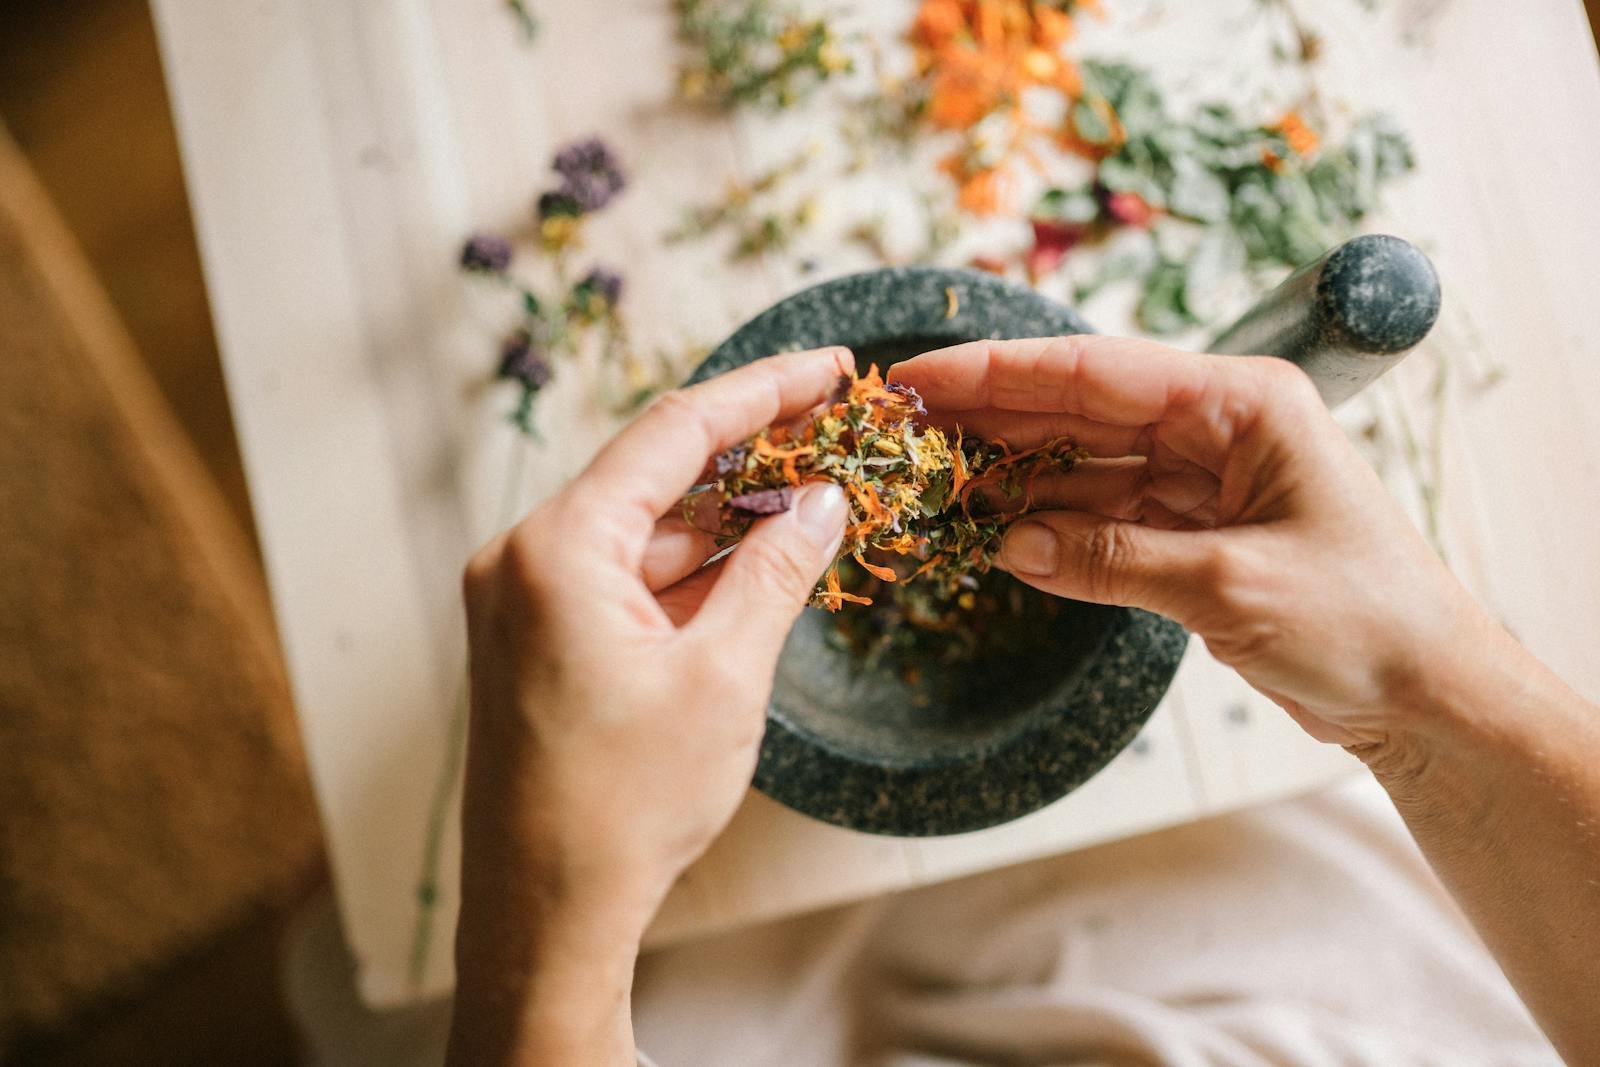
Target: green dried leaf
1197	192
1163	307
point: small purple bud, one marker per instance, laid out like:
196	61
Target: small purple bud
487	253
520	362
763	501
590	173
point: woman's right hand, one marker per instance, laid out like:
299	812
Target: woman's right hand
1222	495
1226	498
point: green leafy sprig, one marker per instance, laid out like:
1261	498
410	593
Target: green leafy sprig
754	52
1255	195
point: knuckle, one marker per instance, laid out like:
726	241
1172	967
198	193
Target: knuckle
1231	575
532	563
712	670
776	569
1108	553
679	411
1242	643
524	563
677	406
1285	382
716	672
672	404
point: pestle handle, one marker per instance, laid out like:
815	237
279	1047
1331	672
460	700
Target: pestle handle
1345	318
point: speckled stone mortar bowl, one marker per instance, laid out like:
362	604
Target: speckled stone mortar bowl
1027	722
1002	736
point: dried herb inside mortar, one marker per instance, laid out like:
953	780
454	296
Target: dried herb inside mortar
927	510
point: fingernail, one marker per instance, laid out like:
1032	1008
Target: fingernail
821	511
1029	548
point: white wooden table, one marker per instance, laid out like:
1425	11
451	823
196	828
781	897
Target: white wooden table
336	155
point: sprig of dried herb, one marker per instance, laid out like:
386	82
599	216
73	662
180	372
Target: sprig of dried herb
926	511
759	52
553	323
526	20
755	212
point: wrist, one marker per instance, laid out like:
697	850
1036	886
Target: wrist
1477	691
546	985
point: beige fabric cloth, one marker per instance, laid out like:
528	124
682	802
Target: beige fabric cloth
1308	933
1304	933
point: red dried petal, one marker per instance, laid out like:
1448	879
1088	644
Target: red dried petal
1130	209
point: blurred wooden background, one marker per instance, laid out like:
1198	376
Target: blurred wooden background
81	92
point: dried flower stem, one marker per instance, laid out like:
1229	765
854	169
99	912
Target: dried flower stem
447	780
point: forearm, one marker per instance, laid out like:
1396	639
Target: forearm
544	984
1496	771
544	964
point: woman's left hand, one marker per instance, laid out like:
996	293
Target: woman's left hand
619	690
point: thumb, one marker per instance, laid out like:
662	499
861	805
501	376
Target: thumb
1109	561
770	575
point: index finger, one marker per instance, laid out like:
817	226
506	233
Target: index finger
1113	380
647	467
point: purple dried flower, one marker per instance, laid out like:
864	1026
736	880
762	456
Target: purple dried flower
487	253
521	362
590	174
731	461
909	395
763	501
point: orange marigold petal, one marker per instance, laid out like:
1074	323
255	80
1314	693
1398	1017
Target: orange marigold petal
1051	28
883	574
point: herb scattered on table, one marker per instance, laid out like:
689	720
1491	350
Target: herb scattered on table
1216	193
927	509
754	212
526	20
976	60
556	317
761	52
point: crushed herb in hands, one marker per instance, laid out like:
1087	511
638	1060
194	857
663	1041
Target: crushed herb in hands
926	511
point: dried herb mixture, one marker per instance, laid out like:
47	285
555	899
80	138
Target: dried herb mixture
926	509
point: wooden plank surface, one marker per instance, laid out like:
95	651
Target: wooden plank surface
336	154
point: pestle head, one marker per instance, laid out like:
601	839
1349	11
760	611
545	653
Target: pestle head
1378	294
